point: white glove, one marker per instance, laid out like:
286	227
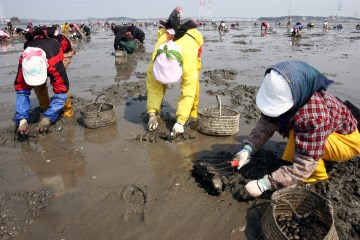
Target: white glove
23	127
153	122
256	187
243	156
44	125
177	129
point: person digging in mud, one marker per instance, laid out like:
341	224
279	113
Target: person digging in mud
296	31
68	50
222	28
293	101
123	39
176	56
265	26
137	33
42	57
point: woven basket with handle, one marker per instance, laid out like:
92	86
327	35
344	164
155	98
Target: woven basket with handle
304	202
98	114
218	121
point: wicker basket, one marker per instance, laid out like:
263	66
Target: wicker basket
218	121
98	114
303	201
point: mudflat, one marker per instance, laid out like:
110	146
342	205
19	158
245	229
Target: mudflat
120	182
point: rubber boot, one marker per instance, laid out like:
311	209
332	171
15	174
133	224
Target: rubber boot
319	174
68	109
42	95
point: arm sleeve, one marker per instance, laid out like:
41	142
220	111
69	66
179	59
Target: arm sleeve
190	49
57	102
155	90
118	38
301	169
263	131
22	105
310	135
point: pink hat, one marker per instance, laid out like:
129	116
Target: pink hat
34	66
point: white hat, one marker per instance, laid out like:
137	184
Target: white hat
7	20
166	70
274	97
34	66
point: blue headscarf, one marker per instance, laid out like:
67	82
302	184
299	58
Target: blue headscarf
304	80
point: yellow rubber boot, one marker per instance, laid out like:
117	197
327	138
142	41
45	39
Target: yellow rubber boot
42	95
68	109
319	174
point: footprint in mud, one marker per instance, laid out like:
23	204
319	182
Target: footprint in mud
135	199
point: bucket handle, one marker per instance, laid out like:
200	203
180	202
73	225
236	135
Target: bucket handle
102	103
219	104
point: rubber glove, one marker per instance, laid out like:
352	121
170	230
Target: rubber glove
23	127
243	156
256	187
177	129
153	122
44	125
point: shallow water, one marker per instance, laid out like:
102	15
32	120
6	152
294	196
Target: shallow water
88	170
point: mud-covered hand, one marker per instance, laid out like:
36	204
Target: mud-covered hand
256	187
23	128
243	156
153	122
44	125
177	129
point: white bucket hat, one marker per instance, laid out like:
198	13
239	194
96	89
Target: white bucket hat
34	66
274	97
167	70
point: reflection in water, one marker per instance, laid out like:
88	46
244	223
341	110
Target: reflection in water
295	41
58	166
5	46
125	66
101	135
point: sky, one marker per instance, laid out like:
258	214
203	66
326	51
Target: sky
142	9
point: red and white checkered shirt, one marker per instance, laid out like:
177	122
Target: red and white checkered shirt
316	120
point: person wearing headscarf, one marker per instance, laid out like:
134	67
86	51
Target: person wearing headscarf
190	42
123	39
294	102
137	33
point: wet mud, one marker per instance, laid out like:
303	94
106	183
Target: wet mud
115	182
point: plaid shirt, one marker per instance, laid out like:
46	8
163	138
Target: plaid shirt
312	124
316	120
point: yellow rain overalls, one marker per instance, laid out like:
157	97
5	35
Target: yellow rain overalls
338	148
190	86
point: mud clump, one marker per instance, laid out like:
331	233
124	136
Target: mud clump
210	169
219	77
163	132
250	50
118	92
342	189
19	209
